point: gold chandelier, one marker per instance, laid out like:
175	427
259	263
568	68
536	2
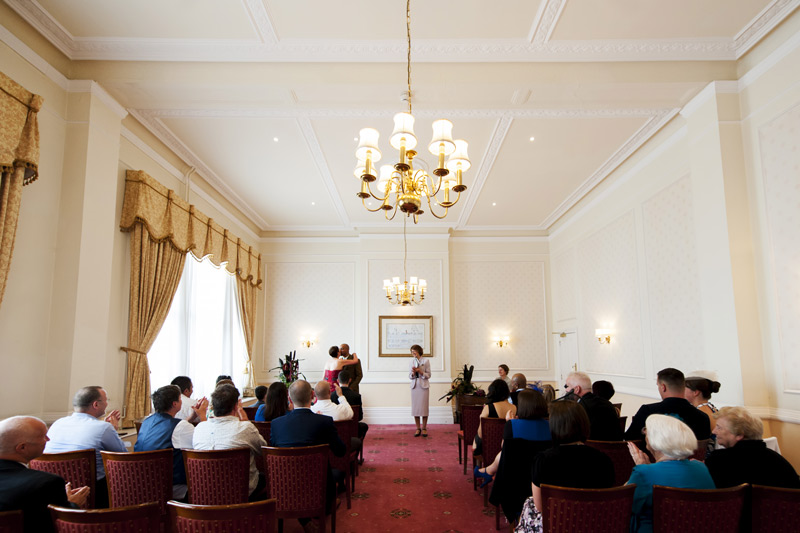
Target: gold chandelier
411	290
402	185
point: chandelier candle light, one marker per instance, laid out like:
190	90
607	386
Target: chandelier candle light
411	290
402	185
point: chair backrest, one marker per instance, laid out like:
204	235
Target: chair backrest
347	429
297	479
253	517
774	509
620	456
138	425
133	519
250	412
492	437
139	477
623	422
356	412
264	429
701	450
597	510
618	407
470	421
78	467
692	510
10	522
217	477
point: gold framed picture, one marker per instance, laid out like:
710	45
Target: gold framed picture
396	335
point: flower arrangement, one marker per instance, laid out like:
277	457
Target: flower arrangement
289	370
462	384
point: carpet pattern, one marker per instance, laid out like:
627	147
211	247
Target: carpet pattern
412	484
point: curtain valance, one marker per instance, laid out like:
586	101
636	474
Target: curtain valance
19	135
167	217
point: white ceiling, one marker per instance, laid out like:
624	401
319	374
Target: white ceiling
219	80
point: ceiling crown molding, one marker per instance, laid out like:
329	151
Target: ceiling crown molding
546	20
762	24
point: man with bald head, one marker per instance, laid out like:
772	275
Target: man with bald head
603	417
22	439
518	383
324	405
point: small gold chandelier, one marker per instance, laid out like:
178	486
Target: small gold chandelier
411	290
402	185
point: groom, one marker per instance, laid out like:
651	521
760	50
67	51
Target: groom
344	353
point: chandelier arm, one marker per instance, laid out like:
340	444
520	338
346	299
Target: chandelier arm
369	190
449	204
430	207
394	212
364	203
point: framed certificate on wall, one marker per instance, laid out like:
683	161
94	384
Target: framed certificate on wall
396	335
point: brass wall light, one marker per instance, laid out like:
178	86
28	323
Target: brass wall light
308	340
502	341
603	335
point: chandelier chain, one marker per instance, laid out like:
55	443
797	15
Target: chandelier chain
405	251
408	54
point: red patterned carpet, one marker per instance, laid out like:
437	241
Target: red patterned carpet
412	484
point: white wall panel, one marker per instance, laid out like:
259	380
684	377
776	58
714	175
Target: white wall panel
564	286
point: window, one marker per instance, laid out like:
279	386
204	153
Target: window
202	336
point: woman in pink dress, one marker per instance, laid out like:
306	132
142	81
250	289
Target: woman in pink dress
335	365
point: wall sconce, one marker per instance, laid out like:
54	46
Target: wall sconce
501	341
603	335
308	341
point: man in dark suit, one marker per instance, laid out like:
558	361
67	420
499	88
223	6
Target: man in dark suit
518	383
671	385
358	373
603	417
22	438
353	398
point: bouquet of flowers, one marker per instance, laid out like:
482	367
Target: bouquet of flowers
462	384
289	370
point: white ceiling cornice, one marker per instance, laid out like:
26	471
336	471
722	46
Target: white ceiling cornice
762	24
546	19
262	22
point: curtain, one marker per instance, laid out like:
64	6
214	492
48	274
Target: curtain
247	312
19	160
164	229
156	269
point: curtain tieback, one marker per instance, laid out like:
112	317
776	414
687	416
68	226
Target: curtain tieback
131	350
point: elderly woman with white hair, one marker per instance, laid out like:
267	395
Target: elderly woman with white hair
672	443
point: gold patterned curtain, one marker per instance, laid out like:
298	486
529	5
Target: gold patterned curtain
164	229
247	310
19	162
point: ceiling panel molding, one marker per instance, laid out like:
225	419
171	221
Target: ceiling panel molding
546	20
650	128
487	162
262	22
165	135
324	170
762	24
35	15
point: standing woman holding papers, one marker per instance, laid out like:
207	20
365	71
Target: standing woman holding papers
419	373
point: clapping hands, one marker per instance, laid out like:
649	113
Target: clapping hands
77	496
113	418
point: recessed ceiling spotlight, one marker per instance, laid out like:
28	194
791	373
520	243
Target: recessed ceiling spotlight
275	139
313	203
355	139
494	203
531	139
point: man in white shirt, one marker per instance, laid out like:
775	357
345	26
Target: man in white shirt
188	406
162	430
324	405
82	430
230	428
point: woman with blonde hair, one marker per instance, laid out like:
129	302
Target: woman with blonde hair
672	443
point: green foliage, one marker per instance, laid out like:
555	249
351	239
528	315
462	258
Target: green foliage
462	384
289	370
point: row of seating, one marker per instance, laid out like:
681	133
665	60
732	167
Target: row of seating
743	508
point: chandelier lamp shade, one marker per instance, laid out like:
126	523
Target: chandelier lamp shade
401	185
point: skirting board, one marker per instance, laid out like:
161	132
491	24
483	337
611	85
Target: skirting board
402	415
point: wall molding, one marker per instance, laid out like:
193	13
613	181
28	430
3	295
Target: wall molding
402	415
95	89
762	24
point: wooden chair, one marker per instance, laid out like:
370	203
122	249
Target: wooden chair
264	429
250	412
256	517
139	477
470	420
623	422
217	477
137	424
357	409
597	510
133	519
618	407
347	430
298	478
492	437
78	467
692	510
773	510
620	456
10	522
701	450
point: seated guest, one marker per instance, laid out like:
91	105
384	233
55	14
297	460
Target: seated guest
518	382
82	430
275	405
261	393
22	439
302	427
222	378
671	385
672	443
568	464
746	458
497	406
340	411
699	388
549	393
231	429
502	371
603	417
524	437
188	405
353	398
163	430
604	389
